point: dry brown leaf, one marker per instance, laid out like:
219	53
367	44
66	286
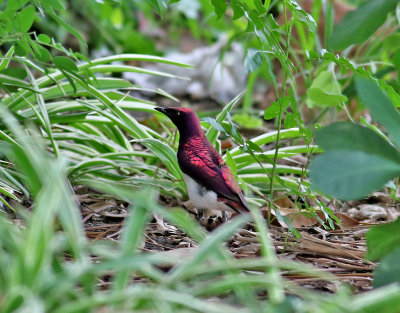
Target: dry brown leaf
346	220
284	202
305	219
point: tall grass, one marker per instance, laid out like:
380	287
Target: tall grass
48	265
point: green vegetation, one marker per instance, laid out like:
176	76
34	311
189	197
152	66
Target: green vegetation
65	121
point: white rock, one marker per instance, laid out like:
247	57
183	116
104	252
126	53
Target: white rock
215	75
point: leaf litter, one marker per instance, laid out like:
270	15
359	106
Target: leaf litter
339	251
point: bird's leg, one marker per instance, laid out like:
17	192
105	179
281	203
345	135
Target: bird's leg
208	219
224	216
201	213
190	208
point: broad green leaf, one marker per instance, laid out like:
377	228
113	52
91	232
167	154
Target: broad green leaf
388	270
22	48
44	38
356	161
25	18
220	7
290	121
45	55
65	63
275	108
212	121
324	91
16	4
253	60
16	72
247	121
302	15
52	4
382	240
361	23
237	9
382	109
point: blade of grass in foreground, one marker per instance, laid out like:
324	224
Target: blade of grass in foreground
133	232
275	288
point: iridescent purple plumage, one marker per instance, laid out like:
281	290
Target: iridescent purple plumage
210	182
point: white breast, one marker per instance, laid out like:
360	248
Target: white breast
203	198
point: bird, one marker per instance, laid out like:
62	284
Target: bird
210	183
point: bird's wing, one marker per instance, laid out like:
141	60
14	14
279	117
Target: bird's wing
230	180
203	163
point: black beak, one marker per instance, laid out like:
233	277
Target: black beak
162	110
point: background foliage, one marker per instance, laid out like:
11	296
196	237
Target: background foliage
65	122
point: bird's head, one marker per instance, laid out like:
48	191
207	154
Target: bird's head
184	119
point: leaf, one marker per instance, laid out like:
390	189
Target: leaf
220	7
361	23
306	219
45	55
214	123
290	121
253	60
253	146
15	72
15	5
208	247
65	63
212	133
52	4
231	163
356	161
247	121
237	9
159	5
385	300
22	48
133	232
382	109
12	81
66	26
273	110
382	240
4	61
25	18
388	270
329	13
302	15
324	91
44	38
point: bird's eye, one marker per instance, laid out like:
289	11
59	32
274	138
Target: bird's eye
178	113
